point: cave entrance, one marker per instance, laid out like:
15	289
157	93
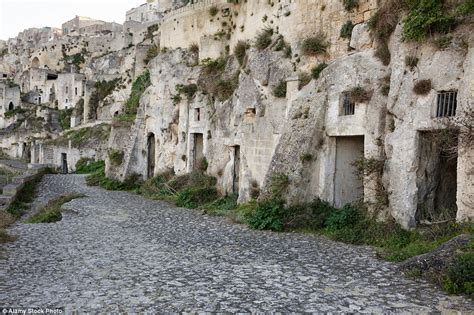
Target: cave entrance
198	150
64	168
348	186
151	148
236	171
11	106
437	176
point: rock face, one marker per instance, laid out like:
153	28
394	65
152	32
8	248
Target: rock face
439	259
356	130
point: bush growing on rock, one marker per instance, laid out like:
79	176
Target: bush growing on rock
422	87
264	38
360	95
280	90
316	71
346	30
88	165
316	45
240	51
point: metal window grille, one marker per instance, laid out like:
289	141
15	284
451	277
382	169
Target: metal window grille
446	104
348	106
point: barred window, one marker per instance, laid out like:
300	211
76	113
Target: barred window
446	104
348	106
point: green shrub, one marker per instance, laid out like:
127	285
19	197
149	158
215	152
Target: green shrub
224	89
190	180
310	216
426	17
139	86
152	52
195	197
214	66
17	110
24	198
316	71
240	51
98	178
115	157
314	46
280	90
385	20
343	218
422	87
268	215
460	276
102	89
244	211
346	29
157	187
82	137
221	206
65	118
88	165
279	184
189	90
51	212
264	38
465	8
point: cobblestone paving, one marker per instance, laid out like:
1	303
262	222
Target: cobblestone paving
115	251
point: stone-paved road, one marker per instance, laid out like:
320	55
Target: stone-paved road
115	251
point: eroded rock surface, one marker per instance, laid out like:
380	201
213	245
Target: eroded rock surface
115	251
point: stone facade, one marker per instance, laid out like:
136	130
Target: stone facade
319	135
9	99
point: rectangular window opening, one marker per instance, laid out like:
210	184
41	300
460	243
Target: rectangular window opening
197	114
446	104
348	106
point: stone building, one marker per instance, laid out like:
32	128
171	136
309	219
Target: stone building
73	27
9	99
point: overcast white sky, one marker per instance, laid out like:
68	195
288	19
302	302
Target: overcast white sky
17	15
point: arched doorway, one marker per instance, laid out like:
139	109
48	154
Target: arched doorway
11	106
151	155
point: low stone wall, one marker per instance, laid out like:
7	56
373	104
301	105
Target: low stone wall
10	191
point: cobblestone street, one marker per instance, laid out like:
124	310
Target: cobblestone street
116	251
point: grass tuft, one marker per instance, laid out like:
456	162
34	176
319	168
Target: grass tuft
51	212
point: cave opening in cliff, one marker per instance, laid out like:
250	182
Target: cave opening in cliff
437	176
151	148
348	186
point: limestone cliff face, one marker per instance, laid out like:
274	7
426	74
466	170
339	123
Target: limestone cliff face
359	129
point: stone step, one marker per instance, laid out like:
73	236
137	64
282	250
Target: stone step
22	179
6	200
12	189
